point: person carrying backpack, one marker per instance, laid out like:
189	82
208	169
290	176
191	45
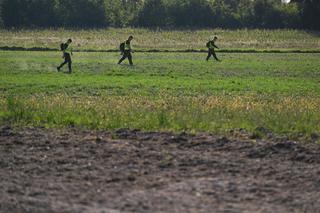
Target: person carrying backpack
126	50
67	52
211	45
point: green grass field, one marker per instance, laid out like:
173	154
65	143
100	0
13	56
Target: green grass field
276	92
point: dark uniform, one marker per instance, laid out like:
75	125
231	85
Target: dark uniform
67	51
127	52
211	51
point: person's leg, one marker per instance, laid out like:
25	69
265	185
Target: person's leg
209	55
68	58
63	63
215	56
70	66
130	58
123	57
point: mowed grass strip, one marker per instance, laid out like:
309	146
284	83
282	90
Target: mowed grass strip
109	39
24	73
164	91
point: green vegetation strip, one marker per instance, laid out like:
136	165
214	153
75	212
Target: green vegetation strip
164	91
6	48
282	115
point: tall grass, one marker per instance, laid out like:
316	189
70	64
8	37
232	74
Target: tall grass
109	39
280	115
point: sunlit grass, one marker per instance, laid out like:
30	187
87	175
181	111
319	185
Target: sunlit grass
279	93
281	115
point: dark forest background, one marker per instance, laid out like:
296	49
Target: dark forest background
269	14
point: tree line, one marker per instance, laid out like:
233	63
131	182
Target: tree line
160	13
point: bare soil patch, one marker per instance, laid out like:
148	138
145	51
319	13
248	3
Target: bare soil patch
77	170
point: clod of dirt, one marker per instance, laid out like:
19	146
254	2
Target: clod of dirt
178	139
315	137
6	131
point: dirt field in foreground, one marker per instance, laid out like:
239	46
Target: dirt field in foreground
131	171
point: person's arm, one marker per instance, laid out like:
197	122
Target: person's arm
63	50
131	50
215	46
69	50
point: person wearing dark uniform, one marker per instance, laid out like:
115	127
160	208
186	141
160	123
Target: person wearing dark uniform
67	52
127	51
211	45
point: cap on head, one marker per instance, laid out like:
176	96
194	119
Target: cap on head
69	40
131	37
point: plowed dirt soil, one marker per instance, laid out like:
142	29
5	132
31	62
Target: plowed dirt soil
77	170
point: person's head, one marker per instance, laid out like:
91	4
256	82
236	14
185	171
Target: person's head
69	41
130	38
215	38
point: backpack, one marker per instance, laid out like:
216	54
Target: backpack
121	47
208	44
62	46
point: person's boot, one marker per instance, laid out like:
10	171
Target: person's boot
120	61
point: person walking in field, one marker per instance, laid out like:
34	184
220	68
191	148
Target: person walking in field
211	45
67	52
126	50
